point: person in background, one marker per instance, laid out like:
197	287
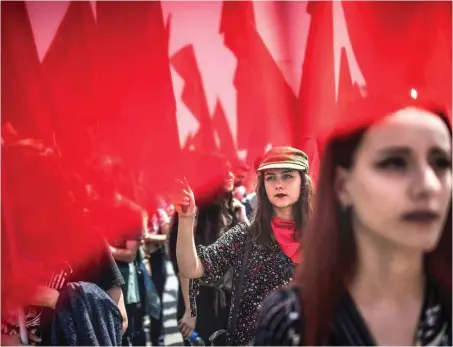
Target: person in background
240	173
154	248
44	199
218	211
250	200
124	222
284	203
378	267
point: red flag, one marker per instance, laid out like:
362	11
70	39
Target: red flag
227	146
138	110
193	95
403	45
398	54
346	89
24	100
317	88
69	69
263	95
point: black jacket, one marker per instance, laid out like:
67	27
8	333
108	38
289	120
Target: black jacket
86	316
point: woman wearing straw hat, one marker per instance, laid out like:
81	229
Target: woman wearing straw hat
269	248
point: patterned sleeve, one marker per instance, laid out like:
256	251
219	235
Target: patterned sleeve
279	321
218	258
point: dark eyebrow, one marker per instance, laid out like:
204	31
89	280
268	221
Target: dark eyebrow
407	151
439	150
269	174
395	151
288	171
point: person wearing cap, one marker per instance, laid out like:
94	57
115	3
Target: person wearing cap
377	251
272	241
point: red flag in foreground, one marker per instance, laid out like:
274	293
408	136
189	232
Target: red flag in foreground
137	113
69	71
24	100
263	95
404	52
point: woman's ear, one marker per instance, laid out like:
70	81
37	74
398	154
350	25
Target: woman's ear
341	186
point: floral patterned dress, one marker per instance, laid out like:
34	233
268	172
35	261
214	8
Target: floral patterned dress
267	270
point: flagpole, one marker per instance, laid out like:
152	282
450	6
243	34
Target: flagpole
9	226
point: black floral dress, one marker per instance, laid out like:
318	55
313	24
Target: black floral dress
267	270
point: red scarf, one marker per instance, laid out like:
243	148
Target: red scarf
284	233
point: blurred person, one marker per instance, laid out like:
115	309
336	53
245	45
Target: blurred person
250	200
218	211
124	223
170	210
378	264
240	177
50	226
284	196
154	247
240	174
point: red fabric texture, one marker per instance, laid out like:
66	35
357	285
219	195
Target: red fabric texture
284	233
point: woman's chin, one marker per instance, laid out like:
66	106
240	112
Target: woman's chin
282	204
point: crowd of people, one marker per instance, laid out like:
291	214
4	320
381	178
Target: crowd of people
363	258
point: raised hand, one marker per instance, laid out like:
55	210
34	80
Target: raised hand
183	199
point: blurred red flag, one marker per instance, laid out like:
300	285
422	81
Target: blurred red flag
194	97
44	218
69	69
24	98
317	87
404	52
402	44
263	95
227	146
346	89
137	112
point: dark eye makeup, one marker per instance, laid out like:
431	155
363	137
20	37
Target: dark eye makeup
439	161
393	163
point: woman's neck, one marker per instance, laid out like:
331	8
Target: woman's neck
385	271
285	213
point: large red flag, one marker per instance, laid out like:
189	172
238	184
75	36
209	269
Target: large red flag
346	88
24	99
137	107
263	95
227	146
69	70
404	52
403	45
194	97
317	88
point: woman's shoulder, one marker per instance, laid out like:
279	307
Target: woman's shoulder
239	232
279	320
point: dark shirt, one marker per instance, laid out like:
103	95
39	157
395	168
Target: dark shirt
267	270
121	220
280	323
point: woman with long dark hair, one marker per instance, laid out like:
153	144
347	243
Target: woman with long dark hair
377	267
284	195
